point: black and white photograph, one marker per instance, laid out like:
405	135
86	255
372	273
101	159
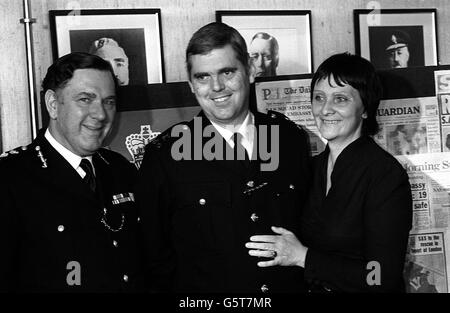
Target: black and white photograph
397	38
130	40
407	139
230	155
278	42
123	48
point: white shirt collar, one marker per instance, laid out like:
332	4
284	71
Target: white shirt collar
73	159
247	130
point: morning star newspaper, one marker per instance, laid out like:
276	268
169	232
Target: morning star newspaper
426	266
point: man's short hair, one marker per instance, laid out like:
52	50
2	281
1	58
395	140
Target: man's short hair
213	36
397	39
62	70
274	47
359	73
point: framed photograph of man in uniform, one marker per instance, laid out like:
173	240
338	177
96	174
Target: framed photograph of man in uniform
130	39
397	38
279	42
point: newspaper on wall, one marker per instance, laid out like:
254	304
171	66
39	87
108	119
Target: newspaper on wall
442	83
293	99
409	126
426	266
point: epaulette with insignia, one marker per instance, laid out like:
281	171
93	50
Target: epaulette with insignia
164	137
274	115
13	152
277	115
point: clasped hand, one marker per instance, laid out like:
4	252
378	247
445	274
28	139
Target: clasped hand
284	248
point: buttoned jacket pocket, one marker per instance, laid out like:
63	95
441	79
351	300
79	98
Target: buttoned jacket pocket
202	210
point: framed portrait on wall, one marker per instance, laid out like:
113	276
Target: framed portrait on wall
397	38
279	42
130	39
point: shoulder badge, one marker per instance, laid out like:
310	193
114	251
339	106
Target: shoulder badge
12	152
164	137
275	114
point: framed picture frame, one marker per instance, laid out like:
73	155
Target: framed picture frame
397	37
130	39
279	42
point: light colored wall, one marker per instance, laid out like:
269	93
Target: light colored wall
332	31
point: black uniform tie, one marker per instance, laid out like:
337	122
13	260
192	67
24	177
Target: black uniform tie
89	179
240	153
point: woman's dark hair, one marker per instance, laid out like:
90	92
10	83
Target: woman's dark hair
213	36
60	72
353	70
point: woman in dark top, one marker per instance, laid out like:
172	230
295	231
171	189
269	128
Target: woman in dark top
356	223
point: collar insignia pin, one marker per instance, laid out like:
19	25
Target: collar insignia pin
41	157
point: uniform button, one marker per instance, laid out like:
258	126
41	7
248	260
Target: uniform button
273	115
61	228
125	278
250	184
138	219
115	243
264	288
254	217
291	186
202	201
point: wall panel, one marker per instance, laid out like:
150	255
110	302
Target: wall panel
332	30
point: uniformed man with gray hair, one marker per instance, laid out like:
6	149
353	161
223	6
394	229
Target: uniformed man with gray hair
69	222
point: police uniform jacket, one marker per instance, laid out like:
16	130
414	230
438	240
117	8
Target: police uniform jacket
52	235
197	215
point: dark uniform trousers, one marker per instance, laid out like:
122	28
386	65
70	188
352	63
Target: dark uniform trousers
197	215
58	235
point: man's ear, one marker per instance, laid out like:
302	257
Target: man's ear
51	103
251	71
192	86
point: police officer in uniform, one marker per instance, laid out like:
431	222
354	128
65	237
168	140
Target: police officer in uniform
67	205
397	49
198	209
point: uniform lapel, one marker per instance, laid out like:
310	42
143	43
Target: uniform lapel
60	174
234	166
104	178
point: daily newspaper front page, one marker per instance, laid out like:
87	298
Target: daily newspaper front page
292	97
409	126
